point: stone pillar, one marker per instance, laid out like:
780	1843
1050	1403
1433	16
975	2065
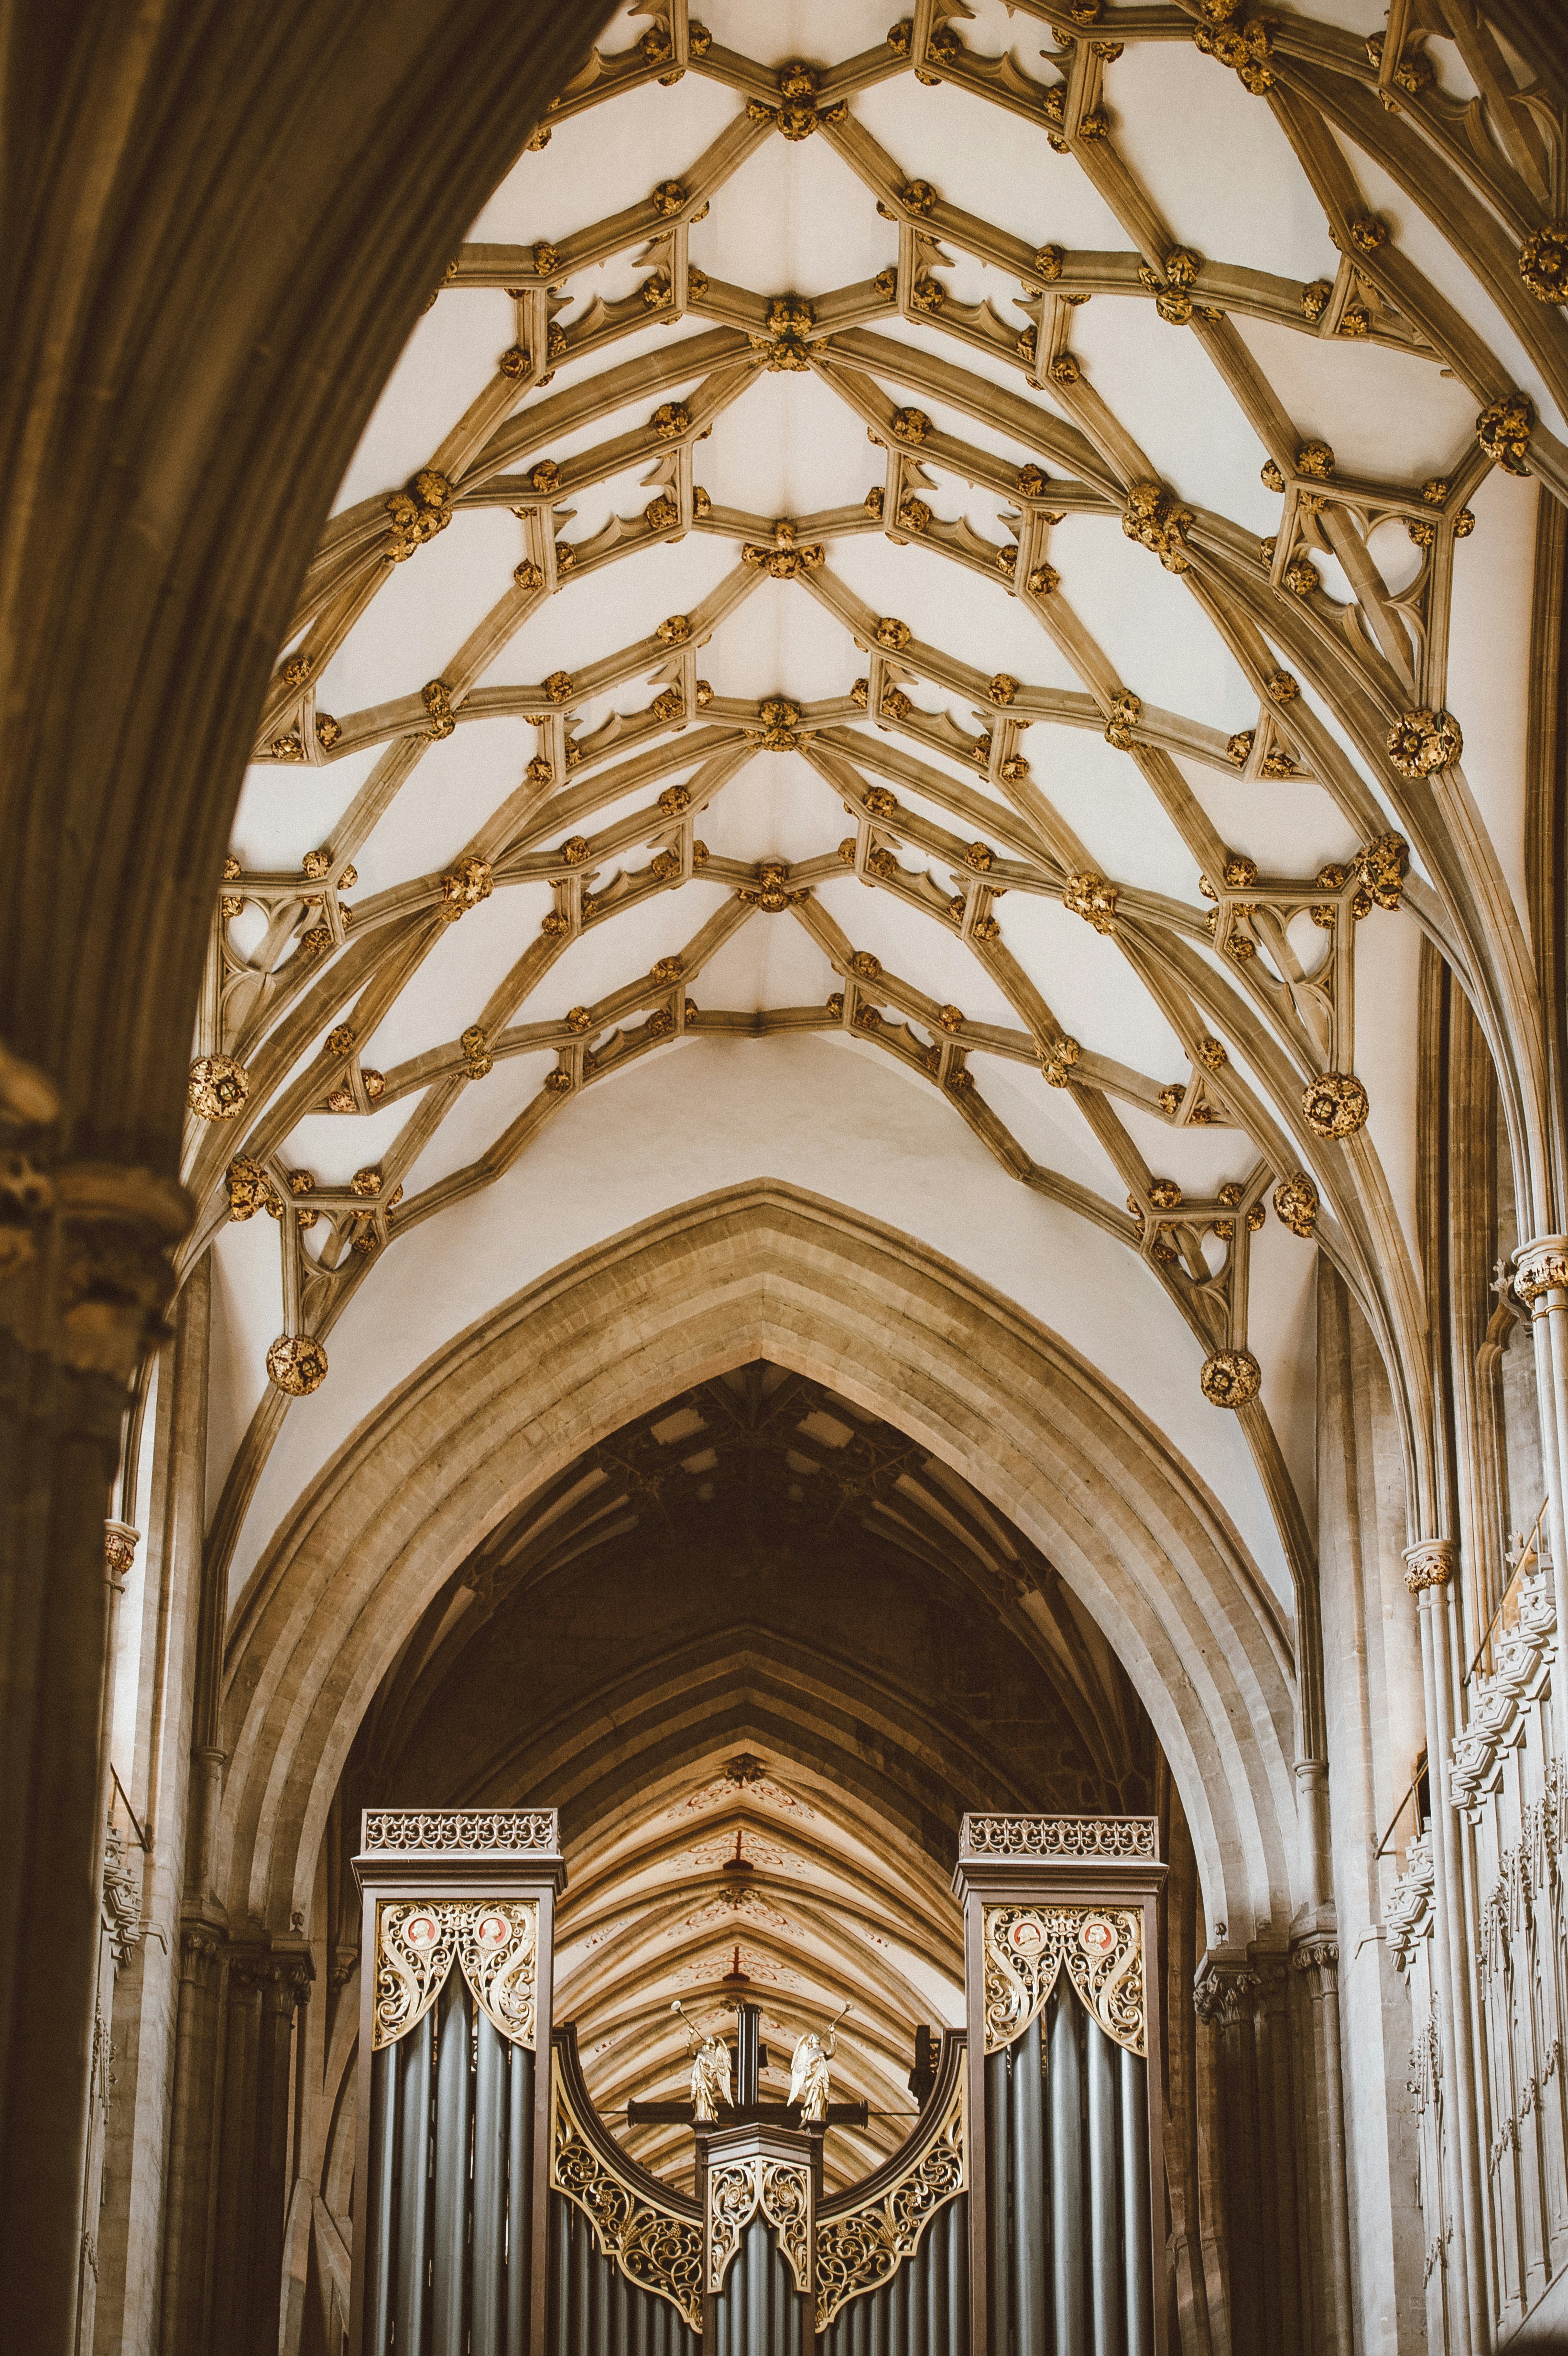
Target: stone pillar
84	1275
1429	1575
198	2094
1243	2003
1541	1281
139	2183
1315	1967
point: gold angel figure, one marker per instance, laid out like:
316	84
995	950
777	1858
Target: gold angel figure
808	2074
710	2071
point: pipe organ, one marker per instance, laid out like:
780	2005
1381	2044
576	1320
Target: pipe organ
496	2214
1066	2210
453	2124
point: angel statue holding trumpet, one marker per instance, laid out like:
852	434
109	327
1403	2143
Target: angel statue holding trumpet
808	2075
710	2071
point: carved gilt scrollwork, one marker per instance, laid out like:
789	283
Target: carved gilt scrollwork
861	2252
494	1941
1099	1947
653	2247
781	2189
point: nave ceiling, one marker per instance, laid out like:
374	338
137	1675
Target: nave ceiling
939	589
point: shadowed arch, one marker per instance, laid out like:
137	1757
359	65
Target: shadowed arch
761	1271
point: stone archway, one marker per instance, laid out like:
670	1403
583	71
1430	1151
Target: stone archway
762	1272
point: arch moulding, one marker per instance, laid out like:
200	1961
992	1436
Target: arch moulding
763	1270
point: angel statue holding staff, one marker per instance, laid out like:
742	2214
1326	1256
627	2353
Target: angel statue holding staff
710	2071
808	2071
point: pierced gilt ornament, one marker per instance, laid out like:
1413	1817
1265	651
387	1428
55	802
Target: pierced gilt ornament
1231	1378
1100	1951
859	2251
650	2244
1421	742
218	1088
1543	263
494	1942
1296	1204
1334	1105
296	1364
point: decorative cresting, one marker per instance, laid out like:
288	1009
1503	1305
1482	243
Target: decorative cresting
1059	1836
783	2191
1101	1949
511	1832
494	1941
863	2250
653	2245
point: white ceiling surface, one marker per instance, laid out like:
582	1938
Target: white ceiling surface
825	1112
835	1119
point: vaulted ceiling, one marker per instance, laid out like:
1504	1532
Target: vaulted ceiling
762	1651
933	609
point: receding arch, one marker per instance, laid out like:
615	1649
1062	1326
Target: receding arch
762	1272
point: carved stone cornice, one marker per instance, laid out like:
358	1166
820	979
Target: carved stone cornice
1430	1563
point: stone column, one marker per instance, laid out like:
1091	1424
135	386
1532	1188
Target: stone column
1315	1962
198	2092
1429	1575
1541	1281
1263	2107
84	1275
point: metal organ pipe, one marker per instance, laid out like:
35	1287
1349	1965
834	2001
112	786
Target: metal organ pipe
1102	2090
411	2059
449	2245
1139	2272
1065	2101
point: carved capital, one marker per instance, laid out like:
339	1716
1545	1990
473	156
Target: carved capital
1222	1990
120	1544
199	1946
95	1239
1430	1564
1320	1957
1540	1267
